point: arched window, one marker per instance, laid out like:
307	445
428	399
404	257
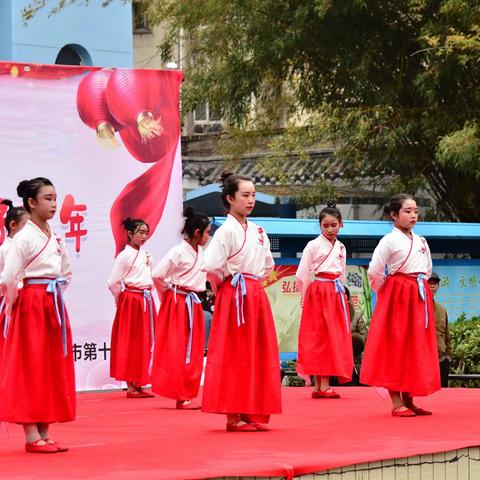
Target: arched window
73	55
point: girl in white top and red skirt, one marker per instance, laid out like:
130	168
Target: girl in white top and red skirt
37	385
131	284
401	349
325	339
242	378
15	220
180	336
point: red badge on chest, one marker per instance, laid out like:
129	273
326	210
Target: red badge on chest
59	244
423	249
261	240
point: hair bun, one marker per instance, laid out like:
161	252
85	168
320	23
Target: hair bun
395	204
225	176
7	202
128	223
189	212
22	188
331	204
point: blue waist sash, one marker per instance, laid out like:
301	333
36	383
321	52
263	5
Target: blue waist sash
54	286
238	282
191	298
147	298
339	288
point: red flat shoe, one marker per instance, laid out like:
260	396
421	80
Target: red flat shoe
246	427
56	445
147	394
325	394
398	412
34	447
186	405
419	411
260	427
144	393
137	394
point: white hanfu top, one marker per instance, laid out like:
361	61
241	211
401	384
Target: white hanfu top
399	253
237	248
321	256
182	266
33	254
4	247
132	269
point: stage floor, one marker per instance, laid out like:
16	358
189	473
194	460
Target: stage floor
115	437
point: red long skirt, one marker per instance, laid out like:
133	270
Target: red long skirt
38	381
325	340
243	365
171	376
131	346
2	327
400	353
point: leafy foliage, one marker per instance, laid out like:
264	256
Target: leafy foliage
36	5
465	349
393	85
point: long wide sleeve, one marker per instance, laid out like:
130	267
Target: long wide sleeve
269	261
215	259
429	261
376	268
16	258
115	281
303	270
66	266
163	272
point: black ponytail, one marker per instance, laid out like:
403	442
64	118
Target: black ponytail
230	182
194	221
29	189
14	214
330	209
395	204
133	224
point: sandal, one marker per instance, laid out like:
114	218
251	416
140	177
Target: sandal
145	394
408	401
259	427
186	405
403	411
35	447
56	445
418	410
329	393
138	394
235	427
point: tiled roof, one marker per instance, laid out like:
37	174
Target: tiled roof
295	171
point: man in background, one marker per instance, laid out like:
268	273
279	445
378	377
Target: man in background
443	333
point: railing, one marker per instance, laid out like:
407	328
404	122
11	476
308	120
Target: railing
464	376
453	376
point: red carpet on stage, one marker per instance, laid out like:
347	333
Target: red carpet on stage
119	438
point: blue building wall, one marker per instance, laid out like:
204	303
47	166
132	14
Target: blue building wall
103	36
5	30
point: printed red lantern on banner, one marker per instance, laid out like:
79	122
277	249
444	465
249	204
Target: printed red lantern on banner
146	196
93	109
147	152
133	97
167	107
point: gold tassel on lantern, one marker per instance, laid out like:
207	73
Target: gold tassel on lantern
148	126
106	135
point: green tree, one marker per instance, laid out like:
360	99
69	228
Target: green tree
392	84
